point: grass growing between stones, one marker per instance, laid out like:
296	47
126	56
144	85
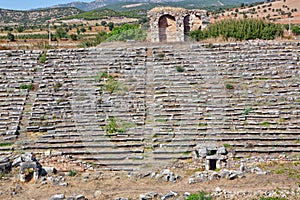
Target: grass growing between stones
43	58
72	173
110	83
115	126
5	144
272	198
228	86
161	55
267	124
179	69
26	87
247	111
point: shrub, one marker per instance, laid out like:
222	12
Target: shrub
200	196
161	55
111	25
296	30
103	23
247	111
227	145
179	69
229	86
43	58
113	127
264	124
8	54
57	86
111	85
241	29
26	87
5	144
74	37
101	75
127	32
60	33
272	198
11	37
72	173
83	30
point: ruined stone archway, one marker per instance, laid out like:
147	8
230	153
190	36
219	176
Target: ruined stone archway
169	24
187	27
167	28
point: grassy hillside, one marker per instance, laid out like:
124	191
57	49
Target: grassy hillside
35	16
104	13
190	4
280	11
139	10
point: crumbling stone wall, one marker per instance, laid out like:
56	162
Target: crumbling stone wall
169	24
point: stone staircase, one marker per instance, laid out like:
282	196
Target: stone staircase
126	108
17	69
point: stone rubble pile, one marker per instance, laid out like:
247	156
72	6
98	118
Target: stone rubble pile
225	174
166	175
63	197
219	193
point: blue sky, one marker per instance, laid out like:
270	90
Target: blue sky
31	4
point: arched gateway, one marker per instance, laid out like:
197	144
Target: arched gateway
169	24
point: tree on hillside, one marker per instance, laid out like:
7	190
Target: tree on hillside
296	30
103	23
83	30
60	33
11	37
20	29
111	25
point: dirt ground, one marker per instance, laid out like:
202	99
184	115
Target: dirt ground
110	185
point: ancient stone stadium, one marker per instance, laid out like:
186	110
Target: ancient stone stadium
131	107
148	110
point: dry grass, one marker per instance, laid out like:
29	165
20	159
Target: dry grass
263	10
117	184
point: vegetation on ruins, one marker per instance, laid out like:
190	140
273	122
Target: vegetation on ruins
179	69
264	123
110	84
228	86
113	126
242	29
272	198
161	55
5	144
57	86
26	87
202	195
72	173
8	54
247	111
43	58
